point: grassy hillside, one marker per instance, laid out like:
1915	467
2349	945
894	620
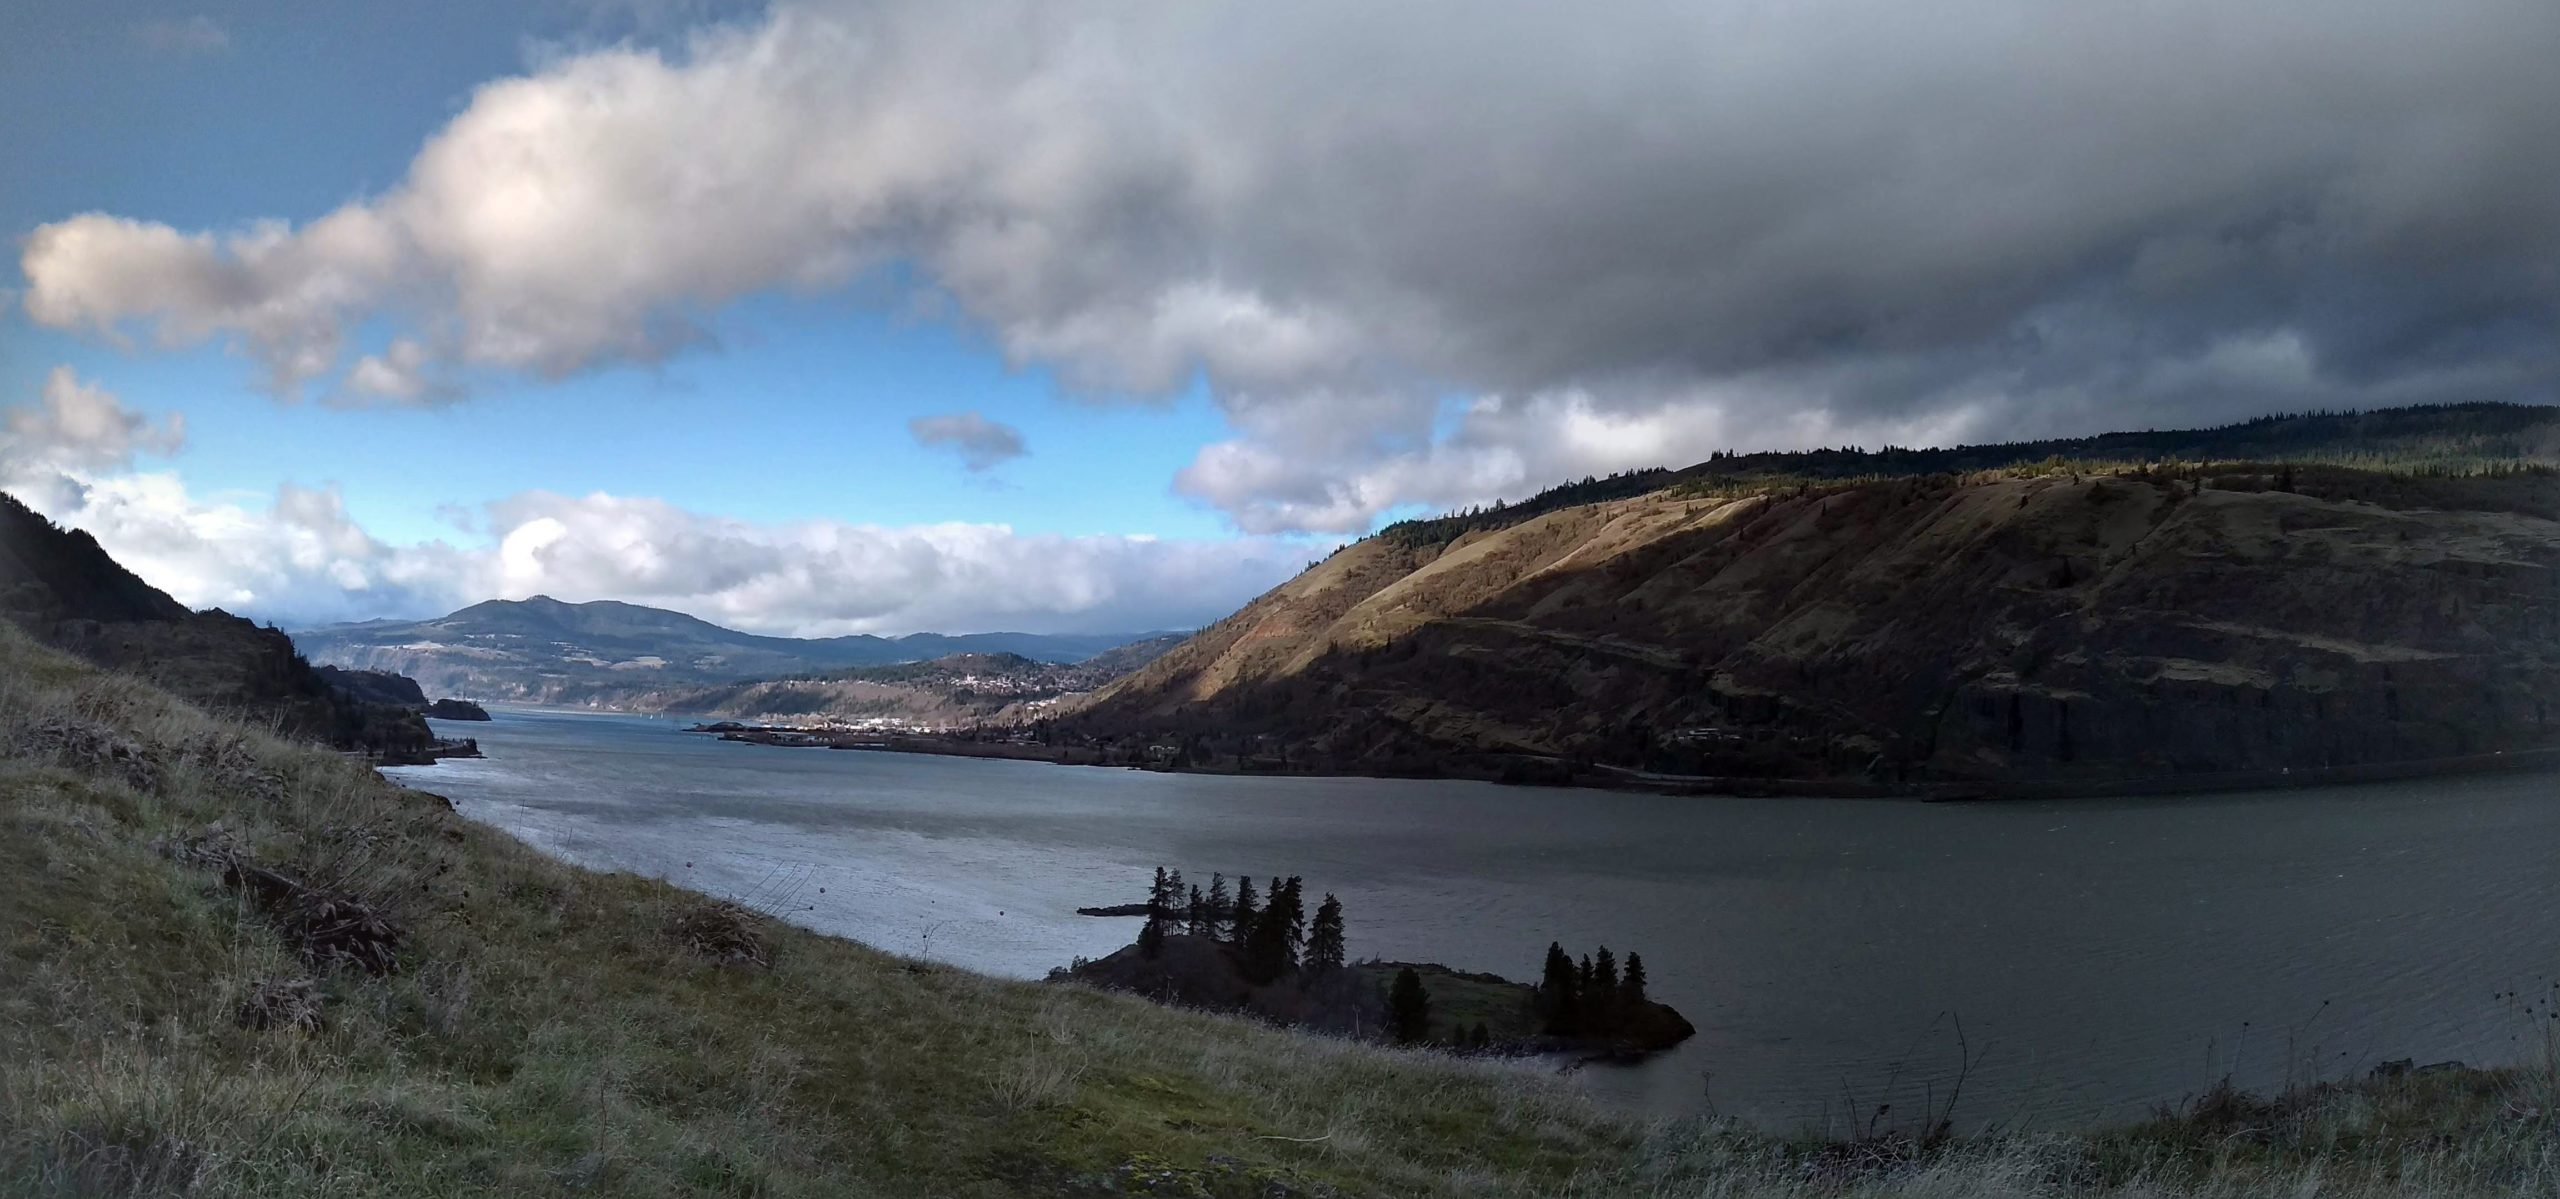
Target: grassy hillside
2037	624
192	915
65	591
2438	440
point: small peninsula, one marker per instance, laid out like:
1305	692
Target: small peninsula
1260	956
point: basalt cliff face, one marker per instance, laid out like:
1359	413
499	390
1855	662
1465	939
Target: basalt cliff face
2013	626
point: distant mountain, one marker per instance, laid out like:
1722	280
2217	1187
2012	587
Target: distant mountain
947	692
546	651
64	590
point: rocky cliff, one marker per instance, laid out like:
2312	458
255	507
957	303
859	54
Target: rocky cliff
2019	624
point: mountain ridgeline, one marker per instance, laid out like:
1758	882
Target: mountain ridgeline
65	591
543	650
953	691
2297	594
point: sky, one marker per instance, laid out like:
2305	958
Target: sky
821	317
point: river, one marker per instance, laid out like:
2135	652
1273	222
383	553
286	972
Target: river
2100	955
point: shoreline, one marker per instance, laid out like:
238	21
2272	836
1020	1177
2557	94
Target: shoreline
1616	778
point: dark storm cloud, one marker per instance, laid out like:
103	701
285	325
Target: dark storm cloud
1622	233
982	444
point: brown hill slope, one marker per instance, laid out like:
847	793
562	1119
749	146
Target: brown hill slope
65	590
2022	625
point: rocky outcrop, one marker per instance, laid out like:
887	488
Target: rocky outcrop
375	686
2018	625
456	709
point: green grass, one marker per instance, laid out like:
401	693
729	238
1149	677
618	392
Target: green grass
552	1030
2424	442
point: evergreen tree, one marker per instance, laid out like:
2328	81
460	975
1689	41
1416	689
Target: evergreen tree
1198	924
1409	1007
1271	948
1293	929
1600	1004
1631	996
1218	904
1240	926
1559	994
1151	940
1324	937
1159	903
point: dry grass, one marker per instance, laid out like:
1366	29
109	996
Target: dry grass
539	1030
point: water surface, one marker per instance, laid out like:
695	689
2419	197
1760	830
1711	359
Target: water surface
2102	955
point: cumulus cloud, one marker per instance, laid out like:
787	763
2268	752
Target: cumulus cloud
821	578
1440	247
982	444
84	426
198	34
299	558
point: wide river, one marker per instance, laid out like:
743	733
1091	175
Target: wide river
2102	955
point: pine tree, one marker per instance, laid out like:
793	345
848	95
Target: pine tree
1631	996
1409	1007
1271	948
1198	924
1218	904
1324	937
1559	994
1600	1004
1159	903
1293	929
1240	926
1151	940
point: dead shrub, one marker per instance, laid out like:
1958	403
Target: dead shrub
727	933
225	758
330	928
290	1003
92	749
133	1161
212	847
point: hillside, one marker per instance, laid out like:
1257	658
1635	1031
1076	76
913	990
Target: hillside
63	589
545	651
952	691
2037	623
234	966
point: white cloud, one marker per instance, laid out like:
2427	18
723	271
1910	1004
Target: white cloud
297	558
1622	224
824	578
982	444
84	426
300	559
401	373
